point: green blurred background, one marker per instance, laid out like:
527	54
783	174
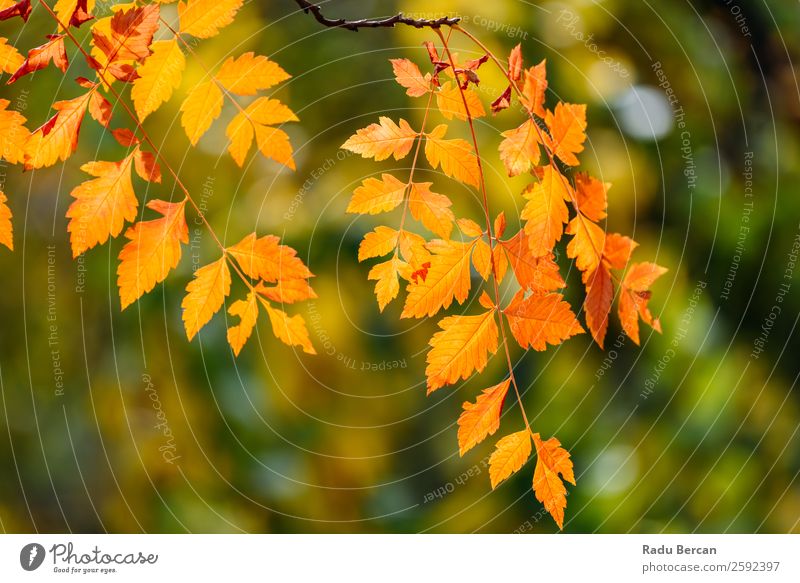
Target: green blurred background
693	431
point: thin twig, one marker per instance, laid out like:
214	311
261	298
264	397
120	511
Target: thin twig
389	22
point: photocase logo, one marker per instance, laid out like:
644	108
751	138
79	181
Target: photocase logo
31	556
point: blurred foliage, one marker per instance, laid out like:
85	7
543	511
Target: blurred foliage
687	433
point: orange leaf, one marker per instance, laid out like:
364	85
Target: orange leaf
461	347
469	227
546	212
451	104
551	461
378	242
287	291
591	196
39	57
515	63
130	34
102	205
247	310
10	59
382	140
251	122
567	131
13	133
510	454
587	243
534	88
274	143
431	208
146	166
290	330
642	275
456	157
481	418
482	258
265	258
204	18
520	148
153	250
538	274
599	295
199	110
539	320
6	229
388	286
250	73
205	295
58	138
377	196
635	296
159	76
447	278
618	249
409	76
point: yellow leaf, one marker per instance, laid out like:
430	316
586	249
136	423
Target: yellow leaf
251	122
199	110
10	59
13	134
551	461
287	291
469	227
153	250
382	140
240	132
204	18
482	258
377	243
520	148
250	73
567	131
431	208
451	104
159	76
461	347
455	156
274	144
409	76
546	212
377	196
510	454
586	246
534	89
388	285
247	310
6	229
205	295
267	111
45	148
290	330
265	258
103	205
481	418
447	278
541	319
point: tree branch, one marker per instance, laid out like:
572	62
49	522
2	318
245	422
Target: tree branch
354	25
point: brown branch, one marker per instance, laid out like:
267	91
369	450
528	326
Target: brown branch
354	25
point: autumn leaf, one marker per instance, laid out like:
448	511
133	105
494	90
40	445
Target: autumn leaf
567	131
541	319
510	454
39	57
13	133
481	418
552	460
265	258
205	18
591	196
377	196
380	241
10	59
247	310
448	278
431	208
199	110
58	138
205	295
409	76
129	35
273	143
253	122
6	229
102	205
641	276
100	109
250	73
153	250
515	63
538	274
520	148
618	249
451	104
146	166
456	157
379	141
587	243
461	347
599	296
635	296
546	212
159	76
290	330
287	291
533	90
388	283
482	259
